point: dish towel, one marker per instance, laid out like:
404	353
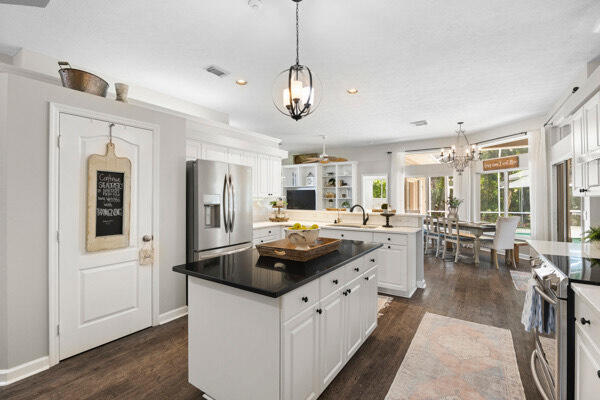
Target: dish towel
529	314
537	313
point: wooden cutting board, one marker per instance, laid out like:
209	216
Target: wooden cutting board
285	250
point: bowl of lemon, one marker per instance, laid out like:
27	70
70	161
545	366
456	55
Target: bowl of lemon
302	236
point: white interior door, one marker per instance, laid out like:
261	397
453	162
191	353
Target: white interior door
107	294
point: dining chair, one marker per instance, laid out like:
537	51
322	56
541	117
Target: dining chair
431	232
503	239
453	235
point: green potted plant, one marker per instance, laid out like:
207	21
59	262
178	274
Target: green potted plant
593	234
453	204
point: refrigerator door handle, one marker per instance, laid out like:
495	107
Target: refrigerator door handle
232	209
225	204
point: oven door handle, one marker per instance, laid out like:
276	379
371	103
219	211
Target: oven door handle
544	295
540	388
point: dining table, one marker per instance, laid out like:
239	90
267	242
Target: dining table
477	229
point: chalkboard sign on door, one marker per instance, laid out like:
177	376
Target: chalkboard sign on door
109	194
109	203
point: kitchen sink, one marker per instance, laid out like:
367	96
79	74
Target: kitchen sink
368	226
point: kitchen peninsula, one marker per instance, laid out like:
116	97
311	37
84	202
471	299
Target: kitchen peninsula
264	328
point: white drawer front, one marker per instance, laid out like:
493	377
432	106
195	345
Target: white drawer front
391	238
296	301
584	312
270	231
331	282
356	235
330	233
355	268
265	239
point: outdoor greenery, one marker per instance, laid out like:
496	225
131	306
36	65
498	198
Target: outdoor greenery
438	195
593	235
379	189
453	201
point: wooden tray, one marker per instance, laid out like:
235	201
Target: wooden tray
285	250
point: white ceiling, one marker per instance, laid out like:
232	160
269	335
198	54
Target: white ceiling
484	62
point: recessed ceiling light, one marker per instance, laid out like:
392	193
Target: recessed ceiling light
352	90
419	123
241	82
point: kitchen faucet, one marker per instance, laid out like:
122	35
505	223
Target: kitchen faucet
365	216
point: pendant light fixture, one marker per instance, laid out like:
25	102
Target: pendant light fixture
460	155
294	92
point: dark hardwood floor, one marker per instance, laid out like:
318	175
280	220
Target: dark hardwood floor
152	364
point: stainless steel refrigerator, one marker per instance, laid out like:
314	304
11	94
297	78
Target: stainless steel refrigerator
219	209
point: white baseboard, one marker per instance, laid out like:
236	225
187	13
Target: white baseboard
172	315
421	284
8	376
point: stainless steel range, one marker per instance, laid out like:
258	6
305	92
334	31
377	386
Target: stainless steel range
549	360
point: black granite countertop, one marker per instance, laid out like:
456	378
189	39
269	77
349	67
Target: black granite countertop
577	269
272	277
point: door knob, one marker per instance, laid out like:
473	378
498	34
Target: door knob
319	311
305	299
147	238
335	281
357	269
585	321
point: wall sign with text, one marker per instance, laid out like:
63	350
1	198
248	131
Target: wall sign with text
109	197
501	163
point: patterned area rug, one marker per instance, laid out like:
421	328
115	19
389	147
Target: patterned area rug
382	302
459	360
520	279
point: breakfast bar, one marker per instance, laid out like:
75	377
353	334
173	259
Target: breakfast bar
266	328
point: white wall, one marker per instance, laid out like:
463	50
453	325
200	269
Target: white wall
3	230
24	208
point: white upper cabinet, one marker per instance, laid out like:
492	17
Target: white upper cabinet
215	153
266	170
591	124
275	176
578	137
585	127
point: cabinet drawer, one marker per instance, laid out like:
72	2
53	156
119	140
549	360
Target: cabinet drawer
355	268
354	235
393	238
262	232
332	281
265	239
296	301
585	312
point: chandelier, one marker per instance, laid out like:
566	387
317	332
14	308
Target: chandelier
460	154
294	88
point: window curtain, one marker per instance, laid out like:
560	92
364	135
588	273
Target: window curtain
538	191
462	185
396	174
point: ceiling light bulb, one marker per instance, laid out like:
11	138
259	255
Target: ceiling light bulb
352	90
241	82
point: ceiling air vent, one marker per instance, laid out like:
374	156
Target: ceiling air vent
220	72
419	123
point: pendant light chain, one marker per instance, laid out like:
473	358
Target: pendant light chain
297	37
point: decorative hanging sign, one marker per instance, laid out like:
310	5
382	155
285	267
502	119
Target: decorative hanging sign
109	197
501	163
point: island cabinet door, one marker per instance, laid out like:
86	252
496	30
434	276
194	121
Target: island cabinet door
587	367
369	301
353	316
392	261
331	337
300	357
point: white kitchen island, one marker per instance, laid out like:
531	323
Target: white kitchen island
261	328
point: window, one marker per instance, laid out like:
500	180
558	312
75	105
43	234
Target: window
506	193
374	191
415	195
